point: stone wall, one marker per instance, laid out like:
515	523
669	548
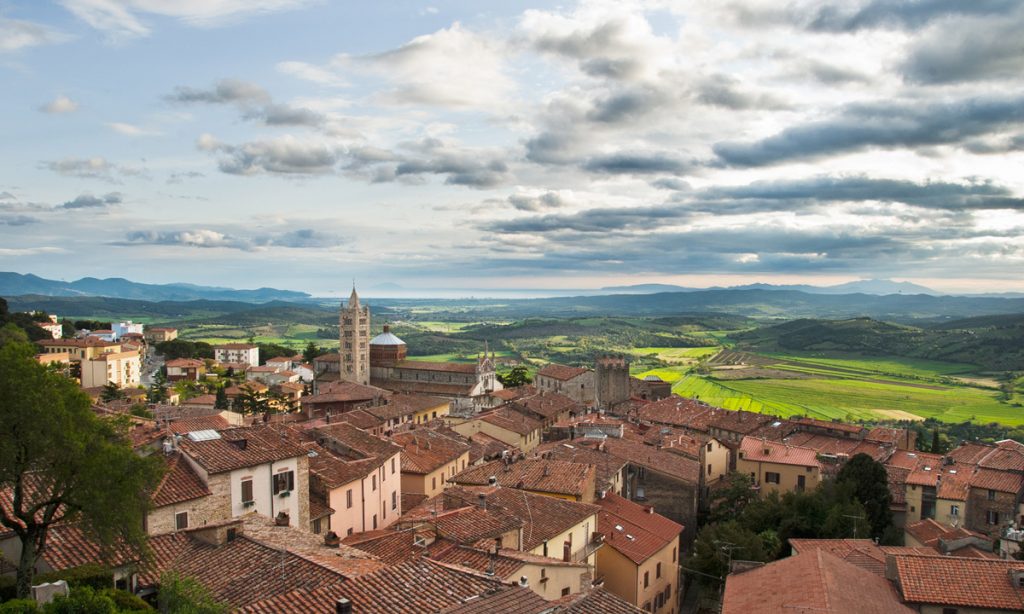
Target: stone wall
978	506
672	498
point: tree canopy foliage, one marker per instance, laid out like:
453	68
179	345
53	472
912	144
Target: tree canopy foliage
62	463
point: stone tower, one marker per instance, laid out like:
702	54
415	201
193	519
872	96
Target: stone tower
612	375
354	340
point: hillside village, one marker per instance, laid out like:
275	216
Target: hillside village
361	481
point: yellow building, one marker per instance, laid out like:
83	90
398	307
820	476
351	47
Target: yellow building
640	558
429	460
79	349
505	425
120	368
778	467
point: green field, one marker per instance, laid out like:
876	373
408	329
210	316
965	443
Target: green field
677	355
859	388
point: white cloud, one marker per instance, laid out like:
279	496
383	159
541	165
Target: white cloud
18	34
60	104
131	129
311	73
120	18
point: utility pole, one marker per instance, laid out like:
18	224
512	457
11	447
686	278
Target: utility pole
855	519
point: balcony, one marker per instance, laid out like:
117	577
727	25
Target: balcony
581	555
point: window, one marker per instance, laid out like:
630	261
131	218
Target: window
954	510
317	526
673	554
770	477
647	607
565	591
284	482
348	499
373	482
668	592
349	532
246	491
394	499
433	482
392	466
949	611
181	521
709	469
992	517
647	579
991	495
657	570
375	521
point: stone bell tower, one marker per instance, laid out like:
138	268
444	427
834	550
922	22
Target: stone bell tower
354	340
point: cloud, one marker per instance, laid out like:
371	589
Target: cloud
302	238
637	163
413	161
17	34
885	125
285	155
968	50
538	202
225	91
88	201
90	168
59	105
131	129
30	251
451	68
120	18
850	16
7	196
311	73
180	177
18	220
285	115
725	91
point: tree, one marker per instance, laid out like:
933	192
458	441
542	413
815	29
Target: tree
721	542
59	462
111	392
869	484
734	497
183	595
311	352
517	376
221	401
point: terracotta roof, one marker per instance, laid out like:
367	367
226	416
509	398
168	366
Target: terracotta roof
448	367
78	343
471	523
1002	481
511	421
826	584
204	399
341	391
761	450
549	405
391	546
596	600
360	418
929	532
185	362
1007	455
829	444
68	546
518	599
240	447
362	442
329	357
180	483
543	517
484	447
318	508
424	450
958	581
235	346
517	392
215	422
887	434
831	425
540	475
606	466
678	411
561	372
411	588
635	530
406	404
863	553
653	459
431	388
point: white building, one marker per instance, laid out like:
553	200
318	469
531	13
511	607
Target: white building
246	353
55	330
120	368
121	329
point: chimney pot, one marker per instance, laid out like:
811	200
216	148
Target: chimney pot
524	582
343	606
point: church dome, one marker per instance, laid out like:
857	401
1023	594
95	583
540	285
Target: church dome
386	338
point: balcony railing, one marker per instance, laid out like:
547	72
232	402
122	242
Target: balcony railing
581	555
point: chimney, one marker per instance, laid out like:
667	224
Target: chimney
331	540
649	509
524	582
481	500
547	471
343	606
387	328
493	480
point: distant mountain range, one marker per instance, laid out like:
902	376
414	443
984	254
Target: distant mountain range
878	287
16	284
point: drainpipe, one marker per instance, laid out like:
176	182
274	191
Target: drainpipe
272	489
362	500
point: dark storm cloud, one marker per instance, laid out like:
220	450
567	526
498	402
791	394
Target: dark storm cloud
883	125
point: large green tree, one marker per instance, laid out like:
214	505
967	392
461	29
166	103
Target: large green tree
869	484
59	462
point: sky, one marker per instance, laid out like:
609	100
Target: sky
302	144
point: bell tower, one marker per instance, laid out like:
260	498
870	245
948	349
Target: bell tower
354	340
